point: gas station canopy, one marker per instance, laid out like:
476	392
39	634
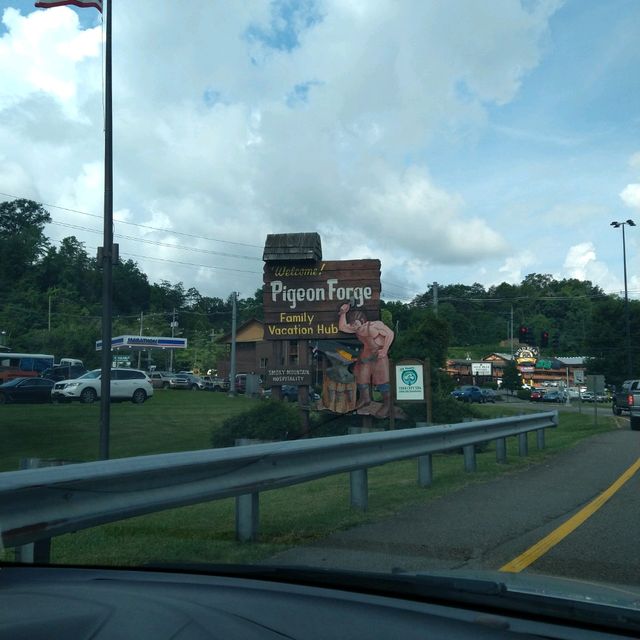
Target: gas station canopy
144	342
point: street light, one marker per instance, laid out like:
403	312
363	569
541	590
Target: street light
616	225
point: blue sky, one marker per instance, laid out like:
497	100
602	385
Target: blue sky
457	142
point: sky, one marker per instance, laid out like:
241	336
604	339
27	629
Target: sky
457	142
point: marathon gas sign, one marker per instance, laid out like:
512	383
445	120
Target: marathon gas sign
302	301
145	342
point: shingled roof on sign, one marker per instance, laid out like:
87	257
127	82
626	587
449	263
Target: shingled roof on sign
292	247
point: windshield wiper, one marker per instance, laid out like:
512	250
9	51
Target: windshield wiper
497	594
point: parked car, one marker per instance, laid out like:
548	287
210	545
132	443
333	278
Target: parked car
489	395
537	395
26	390
187	381
215	383
468	394
126	384
64	372
180	381
160	379
554	396
587	396
241	383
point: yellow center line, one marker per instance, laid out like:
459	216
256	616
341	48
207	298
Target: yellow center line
548	542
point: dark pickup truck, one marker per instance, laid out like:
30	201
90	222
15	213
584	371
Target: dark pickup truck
634	410
620	400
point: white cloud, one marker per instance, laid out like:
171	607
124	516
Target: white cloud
44	53
207	140
573	214
631	196
581	262
516	267
414	216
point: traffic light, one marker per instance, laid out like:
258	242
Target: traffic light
531	338
523	334
544	339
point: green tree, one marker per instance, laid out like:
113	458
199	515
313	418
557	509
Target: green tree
70	270
427	337
22	239
510	377
606	339
131	289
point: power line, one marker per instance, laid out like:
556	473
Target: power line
156	243
190	264
141	226
185	264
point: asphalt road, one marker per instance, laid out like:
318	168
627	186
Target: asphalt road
484	527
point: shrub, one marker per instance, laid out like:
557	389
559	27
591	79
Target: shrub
269	420
524	394
446	410
274	420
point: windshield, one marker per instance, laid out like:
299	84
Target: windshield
402	219
13	382
90	375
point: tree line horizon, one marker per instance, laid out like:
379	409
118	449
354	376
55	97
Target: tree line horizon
51	303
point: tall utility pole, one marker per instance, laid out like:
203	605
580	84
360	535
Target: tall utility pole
174	324
140	350
511	332
434	290
107	251
232	372
627	320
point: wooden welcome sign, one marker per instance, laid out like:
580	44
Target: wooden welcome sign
302	300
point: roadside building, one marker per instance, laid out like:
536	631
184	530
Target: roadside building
254	354
535	370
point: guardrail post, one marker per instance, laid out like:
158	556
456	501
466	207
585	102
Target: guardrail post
469	457
359	483
501	450
425	470
40	551
247	517
540	438
247	509
523	444
36	552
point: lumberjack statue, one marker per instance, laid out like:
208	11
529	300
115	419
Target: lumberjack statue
372	366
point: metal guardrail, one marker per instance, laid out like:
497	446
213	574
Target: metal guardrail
38	504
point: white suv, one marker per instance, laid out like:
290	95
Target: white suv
126	384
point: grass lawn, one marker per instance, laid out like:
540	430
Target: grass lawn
170	421
176	421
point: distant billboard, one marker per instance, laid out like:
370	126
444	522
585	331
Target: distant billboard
481	369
